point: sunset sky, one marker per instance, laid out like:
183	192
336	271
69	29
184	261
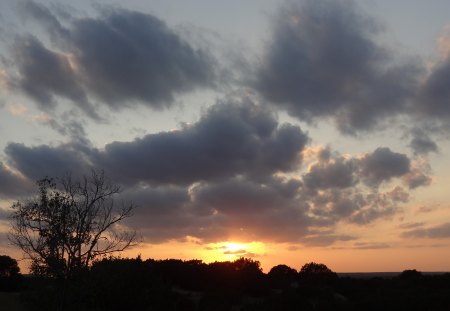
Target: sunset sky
284	131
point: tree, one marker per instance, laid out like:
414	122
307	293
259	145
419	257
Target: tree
317	272
315	268
9	273
410	275
70	223
8	267
281	276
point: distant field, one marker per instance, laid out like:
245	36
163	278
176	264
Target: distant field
10	302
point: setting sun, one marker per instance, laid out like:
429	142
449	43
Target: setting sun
231	250
234	247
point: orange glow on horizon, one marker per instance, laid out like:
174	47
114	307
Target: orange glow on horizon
231	250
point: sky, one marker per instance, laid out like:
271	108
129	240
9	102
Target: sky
284	131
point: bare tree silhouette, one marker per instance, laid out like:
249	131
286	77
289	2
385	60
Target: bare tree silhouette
70	223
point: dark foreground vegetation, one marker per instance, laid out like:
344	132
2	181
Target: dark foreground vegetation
136	284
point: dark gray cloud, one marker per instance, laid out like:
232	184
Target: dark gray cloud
40	161
336	187
377	205
12	185
229	139
337	173
435	94
219	211
436	232
146	61
323	60
120	57
421	142
254	210
158	206
237	197
354	205
277	209
227	175
44	74
70	128
382	165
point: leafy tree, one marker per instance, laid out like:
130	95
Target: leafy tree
70	223
317	273
314	268
410	274
9	273
281	276
8	267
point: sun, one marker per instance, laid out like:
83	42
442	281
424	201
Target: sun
234	247
232	250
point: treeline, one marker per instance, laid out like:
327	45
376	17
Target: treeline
136	284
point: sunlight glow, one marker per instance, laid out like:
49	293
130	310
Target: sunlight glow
231	250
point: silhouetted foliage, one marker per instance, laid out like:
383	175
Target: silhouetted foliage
172	284
9	273
8	267
316	274
315	268
410	275
282	276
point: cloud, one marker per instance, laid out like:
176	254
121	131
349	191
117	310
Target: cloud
229	139
146	60
4	214
325	239
44	16
17	109
436	232
421	143
416	178
120	57
358	206
4	240
40	161
45	74
210	212
411	225
239	197
236	172
235	252
433	97
323	60
157	206
232	198
4	82
370	245
334	173
12	184
382	165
